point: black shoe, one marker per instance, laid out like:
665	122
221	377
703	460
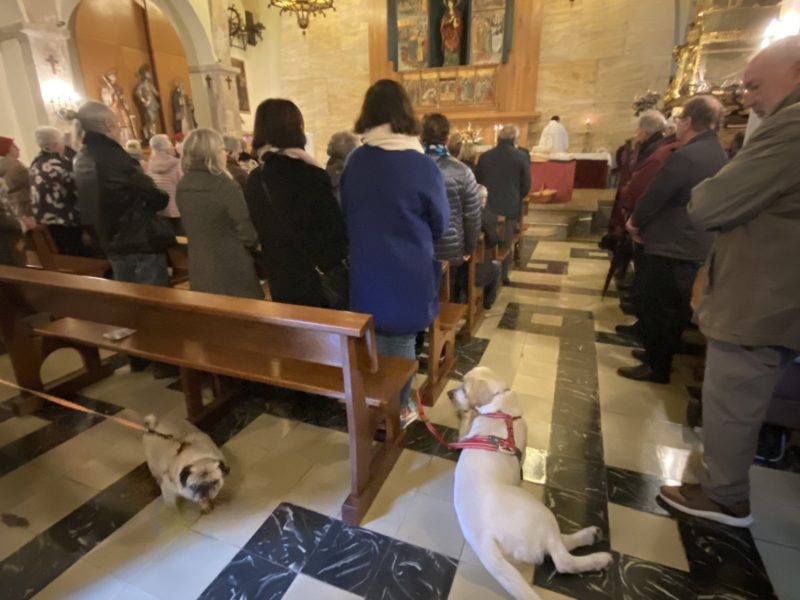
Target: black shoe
627	308
640	355
772	442
633	331
642	373
694	413
164	371
138	364
506	281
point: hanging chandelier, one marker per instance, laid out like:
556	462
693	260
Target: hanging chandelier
303	9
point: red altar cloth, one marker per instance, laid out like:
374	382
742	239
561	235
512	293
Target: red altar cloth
556	175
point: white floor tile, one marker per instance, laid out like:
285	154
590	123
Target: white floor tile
432	524
781	563
17	427
646	536
84	581
305	588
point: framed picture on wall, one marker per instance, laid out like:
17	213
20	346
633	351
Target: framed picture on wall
241	85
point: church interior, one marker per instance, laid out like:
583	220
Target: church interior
331	467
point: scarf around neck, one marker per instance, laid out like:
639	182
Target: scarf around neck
297	153
383	137
436	150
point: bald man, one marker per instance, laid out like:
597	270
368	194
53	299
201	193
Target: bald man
751	309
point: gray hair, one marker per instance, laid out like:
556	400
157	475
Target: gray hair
652	121
133	146
91	116
483	191
509	132
204	146
468	152
160	143
233	145
342	144
47	137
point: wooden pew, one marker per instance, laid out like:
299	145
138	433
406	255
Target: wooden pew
475	310
314	350
40	242
442	341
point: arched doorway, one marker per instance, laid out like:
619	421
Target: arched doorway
115	40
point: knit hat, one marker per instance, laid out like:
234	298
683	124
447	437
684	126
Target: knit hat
5	145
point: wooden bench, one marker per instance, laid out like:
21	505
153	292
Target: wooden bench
475	310
442	341
41	244
314	350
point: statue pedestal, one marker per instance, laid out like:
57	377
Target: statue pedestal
215	98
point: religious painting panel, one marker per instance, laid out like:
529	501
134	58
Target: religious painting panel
411	82
484	86
241	85
487	37
488	4
412	43
448	84
410	8
466	87
429	90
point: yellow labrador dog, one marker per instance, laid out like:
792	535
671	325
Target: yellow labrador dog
502	522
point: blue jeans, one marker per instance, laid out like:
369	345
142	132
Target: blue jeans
402	346
141	268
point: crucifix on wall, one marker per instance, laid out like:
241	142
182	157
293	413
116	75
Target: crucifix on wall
53	62
229	81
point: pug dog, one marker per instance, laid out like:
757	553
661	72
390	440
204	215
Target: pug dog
503	523
185	462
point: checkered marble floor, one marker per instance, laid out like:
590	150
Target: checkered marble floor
80	516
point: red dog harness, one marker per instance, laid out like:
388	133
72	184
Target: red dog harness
492	443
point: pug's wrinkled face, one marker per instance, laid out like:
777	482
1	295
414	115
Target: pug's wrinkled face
480	386
202	480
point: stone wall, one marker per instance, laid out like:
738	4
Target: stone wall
595	58
326	72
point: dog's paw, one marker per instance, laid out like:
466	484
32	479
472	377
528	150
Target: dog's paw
604	560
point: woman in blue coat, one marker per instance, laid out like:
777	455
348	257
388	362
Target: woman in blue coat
395	207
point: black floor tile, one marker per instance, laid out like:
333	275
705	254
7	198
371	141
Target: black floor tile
577	475
586	253
646	580
411	572
289	536
418	438
576	414
553	267
574	443
720	555
575	511
348	558
634	490
250	577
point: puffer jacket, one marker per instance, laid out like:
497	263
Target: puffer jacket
465	210
115	197
165	170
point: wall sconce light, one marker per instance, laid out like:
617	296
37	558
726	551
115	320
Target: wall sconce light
243	32
60	96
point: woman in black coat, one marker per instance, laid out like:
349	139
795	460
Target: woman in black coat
292	205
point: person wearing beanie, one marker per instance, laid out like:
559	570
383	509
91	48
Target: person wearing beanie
15	175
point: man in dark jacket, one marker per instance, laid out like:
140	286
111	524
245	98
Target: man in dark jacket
506	172
118	201
458	241
675	248
11	230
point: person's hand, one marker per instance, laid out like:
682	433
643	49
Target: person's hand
466	257
27	223
633	231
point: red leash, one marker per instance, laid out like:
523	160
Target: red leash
491	443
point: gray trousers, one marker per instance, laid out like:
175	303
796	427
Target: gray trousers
737	390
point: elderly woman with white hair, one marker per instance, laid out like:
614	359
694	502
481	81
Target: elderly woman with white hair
222	239
164	168
53	193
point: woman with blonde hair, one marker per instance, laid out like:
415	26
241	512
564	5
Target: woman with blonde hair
222	239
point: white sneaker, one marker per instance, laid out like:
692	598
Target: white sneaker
408	414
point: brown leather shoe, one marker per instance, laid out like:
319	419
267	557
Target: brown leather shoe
690	498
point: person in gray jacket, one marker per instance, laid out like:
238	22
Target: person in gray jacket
750	311
461	236
675	248
221	236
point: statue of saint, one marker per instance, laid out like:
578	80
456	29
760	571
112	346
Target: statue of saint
182	110
113	96
452	30
147	98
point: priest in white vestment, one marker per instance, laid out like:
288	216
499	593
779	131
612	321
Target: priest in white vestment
555	138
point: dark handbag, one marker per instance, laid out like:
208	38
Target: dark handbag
143	231
335	282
